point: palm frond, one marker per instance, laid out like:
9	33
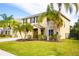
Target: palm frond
51	6
76	6
67	6
41	17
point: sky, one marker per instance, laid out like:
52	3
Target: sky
12	9
21	10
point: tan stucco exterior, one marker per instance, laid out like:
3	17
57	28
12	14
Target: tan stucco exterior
64	30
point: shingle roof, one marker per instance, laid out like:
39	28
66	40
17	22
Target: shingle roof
41	13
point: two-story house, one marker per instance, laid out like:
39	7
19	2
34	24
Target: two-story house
47	28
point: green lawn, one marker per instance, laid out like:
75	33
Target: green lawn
42	48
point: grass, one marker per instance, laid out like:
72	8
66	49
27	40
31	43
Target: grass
42	48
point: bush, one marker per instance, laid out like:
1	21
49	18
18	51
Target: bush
53	37
41	37
3	35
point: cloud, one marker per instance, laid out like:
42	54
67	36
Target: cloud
32	8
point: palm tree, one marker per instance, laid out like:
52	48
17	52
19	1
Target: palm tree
52	15
6	20
26	28
67	6
17	27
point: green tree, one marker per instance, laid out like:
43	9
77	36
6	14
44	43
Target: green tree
75	30
26	28
16	27
6	20
52	15
67	6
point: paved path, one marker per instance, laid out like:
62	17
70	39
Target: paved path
7	39
4	53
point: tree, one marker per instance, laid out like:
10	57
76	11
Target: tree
16	27
75	30
26	28
52	15
67	6
6	20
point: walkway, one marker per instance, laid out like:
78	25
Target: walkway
4	53
7	39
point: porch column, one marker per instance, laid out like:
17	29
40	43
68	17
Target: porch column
47	31
39	31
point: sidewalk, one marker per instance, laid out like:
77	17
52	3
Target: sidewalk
4	53
7	39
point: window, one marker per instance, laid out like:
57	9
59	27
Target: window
42	31
66	35
50	32
5	32
32	20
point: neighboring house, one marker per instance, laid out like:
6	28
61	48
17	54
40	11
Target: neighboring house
6	31
46	28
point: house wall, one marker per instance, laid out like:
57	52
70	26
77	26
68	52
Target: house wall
44	24
65	29
28	20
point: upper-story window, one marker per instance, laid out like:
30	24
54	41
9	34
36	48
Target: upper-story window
32	20
24	20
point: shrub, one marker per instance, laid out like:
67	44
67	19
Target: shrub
3	35
53	37
41	37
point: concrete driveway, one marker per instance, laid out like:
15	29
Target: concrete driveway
7	39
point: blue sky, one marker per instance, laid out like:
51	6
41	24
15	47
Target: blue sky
20	10
11	9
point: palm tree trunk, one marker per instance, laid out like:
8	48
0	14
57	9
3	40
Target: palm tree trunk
20	34
25	35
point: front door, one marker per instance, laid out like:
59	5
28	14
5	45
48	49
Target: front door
35	33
